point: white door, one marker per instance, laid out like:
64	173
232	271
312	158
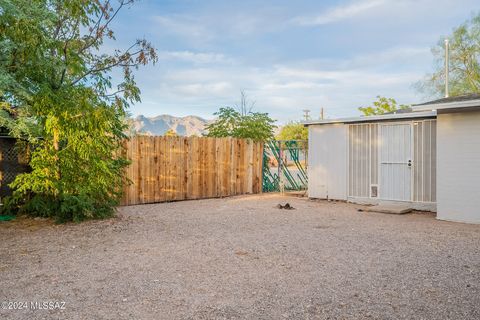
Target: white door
395	162
327	161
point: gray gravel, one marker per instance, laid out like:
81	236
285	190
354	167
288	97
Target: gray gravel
243	258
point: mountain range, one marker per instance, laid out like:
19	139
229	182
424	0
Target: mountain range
159	125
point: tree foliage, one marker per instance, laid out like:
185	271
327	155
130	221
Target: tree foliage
382	105
231	123
464	62
171	133
55	84
293	131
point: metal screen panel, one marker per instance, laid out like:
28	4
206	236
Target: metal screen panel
424	161
364	145
363	159
374	154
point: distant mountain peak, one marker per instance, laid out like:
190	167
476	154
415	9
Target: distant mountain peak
159	125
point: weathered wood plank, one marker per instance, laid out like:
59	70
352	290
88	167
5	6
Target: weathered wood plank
193	167
186	157
211	168
249	164
179	168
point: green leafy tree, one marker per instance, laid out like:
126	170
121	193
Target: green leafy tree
56	78
293	131
171	133
464	62
382	105
251	125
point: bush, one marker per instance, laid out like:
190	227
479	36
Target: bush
56	77
66	208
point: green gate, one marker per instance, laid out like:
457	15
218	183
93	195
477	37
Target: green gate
285	165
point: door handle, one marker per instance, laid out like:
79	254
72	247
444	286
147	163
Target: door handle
409	163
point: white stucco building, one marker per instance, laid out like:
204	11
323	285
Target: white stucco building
428	158
458	157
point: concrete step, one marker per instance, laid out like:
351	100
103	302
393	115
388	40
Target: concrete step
390	208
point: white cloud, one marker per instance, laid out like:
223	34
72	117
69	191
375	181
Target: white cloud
340	12
213	50
212	89
355	77
293	85
194	57
394	55
202	29
284	90
182	25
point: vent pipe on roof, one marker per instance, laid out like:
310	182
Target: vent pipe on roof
446	68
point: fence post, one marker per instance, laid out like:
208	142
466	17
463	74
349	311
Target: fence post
280	168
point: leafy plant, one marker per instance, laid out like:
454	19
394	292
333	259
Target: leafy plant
293	131
171	133
382	105
464	62
251	125
56	91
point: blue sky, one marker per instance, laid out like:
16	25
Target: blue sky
286	55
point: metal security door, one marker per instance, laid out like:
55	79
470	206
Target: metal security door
395	162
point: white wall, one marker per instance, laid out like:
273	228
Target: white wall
327	161
458	167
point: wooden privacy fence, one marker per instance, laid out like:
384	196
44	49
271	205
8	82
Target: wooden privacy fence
180	168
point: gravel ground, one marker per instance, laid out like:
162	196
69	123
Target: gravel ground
242	258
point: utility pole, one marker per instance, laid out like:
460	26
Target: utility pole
306	114
321	114
446	68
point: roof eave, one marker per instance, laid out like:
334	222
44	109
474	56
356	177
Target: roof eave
456	105
379	118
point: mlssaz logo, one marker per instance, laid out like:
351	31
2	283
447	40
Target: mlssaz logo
47	305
